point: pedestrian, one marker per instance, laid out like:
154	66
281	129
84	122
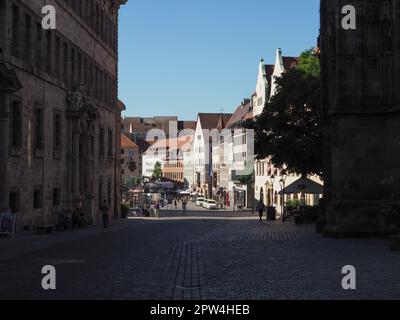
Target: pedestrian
104	210
184	206
176	204
261	209
157	210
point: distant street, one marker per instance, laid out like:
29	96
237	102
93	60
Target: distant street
207	255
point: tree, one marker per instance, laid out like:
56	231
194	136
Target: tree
289	129
309	63
157	171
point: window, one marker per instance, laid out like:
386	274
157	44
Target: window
28	38
100	195
56	197
101	142
15	32
57	58
73	65
49	51
38	198
39	128
39	31
65	63
109	192
110	143
16	124
57	131
14	202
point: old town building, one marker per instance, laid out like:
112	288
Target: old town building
131	170
59	111
361	110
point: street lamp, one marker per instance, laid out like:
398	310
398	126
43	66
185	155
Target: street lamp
282	183
272	180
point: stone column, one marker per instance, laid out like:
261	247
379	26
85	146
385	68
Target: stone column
4	144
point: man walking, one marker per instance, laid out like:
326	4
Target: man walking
104	210
184	206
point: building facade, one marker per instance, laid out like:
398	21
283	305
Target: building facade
130	166
208	128
59	110
169	153
361	111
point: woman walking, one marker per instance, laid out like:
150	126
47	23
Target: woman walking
261	209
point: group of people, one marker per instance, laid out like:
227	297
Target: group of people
76	218
184	205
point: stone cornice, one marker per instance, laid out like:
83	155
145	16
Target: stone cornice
113	5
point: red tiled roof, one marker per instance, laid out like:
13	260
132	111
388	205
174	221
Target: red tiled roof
127	143
243	112
290	62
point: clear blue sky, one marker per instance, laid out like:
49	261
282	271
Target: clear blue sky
181	57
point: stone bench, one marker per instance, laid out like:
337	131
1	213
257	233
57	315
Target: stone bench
395	243
45	229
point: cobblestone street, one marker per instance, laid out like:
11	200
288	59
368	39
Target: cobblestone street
206	255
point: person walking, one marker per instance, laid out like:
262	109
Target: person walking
176	204
261	209
184	206
104	210
157	210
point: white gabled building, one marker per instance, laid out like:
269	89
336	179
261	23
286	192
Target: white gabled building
265	169
203	174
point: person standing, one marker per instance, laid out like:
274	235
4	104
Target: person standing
104	210
261	209
184	206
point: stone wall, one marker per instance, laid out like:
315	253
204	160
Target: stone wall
361	108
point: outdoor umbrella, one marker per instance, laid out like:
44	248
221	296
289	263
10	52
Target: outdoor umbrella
303	185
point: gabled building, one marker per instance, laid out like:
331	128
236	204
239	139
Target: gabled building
208	124
266	88
233	158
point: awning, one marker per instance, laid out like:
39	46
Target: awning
303	185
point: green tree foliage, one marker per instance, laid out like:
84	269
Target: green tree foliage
309	63
157	172
289	129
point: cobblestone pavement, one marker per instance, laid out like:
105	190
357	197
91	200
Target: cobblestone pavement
207	255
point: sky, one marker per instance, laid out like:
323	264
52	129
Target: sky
182	57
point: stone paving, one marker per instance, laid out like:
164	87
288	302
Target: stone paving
207	255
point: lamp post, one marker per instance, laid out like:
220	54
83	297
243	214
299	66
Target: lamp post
282	183
272	180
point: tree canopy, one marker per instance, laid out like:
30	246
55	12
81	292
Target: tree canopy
289	129
157	171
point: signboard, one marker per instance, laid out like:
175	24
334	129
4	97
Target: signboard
7	223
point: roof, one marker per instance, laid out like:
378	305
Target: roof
290	62
127	143
213	120
180	143
243	112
